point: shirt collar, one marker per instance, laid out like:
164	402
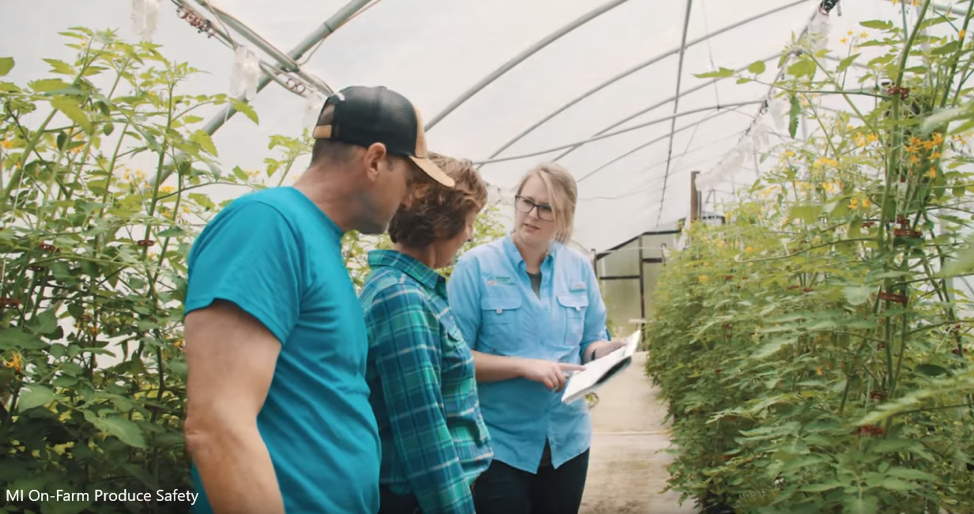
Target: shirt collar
410	266
515	255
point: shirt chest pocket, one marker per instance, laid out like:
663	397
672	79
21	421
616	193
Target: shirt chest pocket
574	307
499	317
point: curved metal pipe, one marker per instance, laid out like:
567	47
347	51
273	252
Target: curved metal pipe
676	102
650	143
636	68
554	36
657	105
616	133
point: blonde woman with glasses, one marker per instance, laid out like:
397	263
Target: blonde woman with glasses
531	310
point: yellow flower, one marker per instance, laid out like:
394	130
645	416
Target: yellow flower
843	41
961	34
854	203
178	344
933	172
937	138
860	141
871	138
703	279
7	143
15	362
866	203
166	189
749	249
864	35
849	33
789	153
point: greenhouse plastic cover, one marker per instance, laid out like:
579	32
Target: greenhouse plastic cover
505	81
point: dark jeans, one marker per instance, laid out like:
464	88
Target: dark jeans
391	503
506	490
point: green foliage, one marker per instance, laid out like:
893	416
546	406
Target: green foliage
813	356
93	267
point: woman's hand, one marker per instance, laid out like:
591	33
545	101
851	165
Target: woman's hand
551	374
600	349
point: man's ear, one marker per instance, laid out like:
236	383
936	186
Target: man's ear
374	156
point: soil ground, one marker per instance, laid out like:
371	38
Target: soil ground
627	469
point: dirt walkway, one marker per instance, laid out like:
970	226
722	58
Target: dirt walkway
628	460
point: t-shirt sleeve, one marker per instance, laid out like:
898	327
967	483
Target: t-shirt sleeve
249	255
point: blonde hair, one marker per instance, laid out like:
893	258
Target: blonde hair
562	195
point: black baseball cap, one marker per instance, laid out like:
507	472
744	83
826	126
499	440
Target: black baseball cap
362	116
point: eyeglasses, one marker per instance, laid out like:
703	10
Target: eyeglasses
526	205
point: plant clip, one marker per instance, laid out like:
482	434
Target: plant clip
9	302
905	232
47	247
826	6
893	297
198	22
903	221
956	351
869	430
36	268
145	242
902	92
877	395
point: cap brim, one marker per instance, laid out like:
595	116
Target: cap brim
433	171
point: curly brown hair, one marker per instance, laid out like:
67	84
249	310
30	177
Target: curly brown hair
438	212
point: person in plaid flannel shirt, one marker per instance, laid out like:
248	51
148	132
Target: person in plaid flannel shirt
420	370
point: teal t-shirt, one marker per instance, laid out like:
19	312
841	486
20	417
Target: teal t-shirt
278	257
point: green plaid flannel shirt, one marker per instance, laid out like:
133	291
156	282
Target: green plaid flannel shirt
424	390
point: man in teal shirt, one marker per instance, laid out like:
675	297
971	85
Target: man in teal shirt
278	417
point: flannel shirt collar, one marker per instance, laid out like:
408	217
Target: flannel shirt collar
410	266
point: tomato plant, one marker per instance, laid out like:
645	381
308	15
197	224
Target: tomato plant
813	349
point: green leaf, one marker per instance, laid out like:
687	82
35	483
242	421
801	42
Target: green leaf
757	67
6	64
722	73
72	111
962	264
744	80
806	213
793	114
245	109
845	63
203	139
930	370
820	488
877	24
125	430
948	48
17	338
240	174
171	232
943	116
861	505
895	484
48	85
803	67
34	396
857	295
910	474
60	67
772	347
45	322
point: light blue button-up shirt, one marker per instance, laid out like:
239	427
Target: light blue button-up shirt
498	313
